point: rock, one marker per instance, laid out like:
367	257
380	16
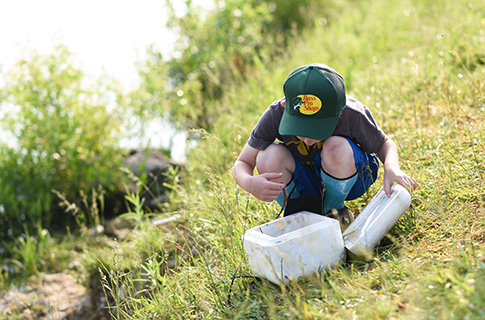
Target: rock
119	228
153	161
56	296
154	165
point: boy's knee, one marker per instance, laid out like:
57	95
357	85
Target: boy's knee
265	159
275	158
338	157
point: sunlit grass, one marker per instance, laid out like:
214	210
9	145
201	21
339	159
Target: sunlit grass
417	66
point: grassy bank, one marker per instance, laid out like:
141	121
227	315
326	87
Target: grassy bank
420	67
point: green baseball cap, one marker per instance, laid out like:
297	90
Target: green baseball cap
315	96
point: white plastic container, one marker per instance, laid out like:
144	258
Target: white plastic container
377	218
300	244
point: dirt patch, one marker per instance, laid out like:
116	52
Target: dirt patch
56	296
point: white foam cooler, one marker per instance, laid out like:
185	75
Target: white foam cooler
294	246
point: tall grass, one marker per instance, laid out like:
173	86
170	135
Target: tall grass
420	67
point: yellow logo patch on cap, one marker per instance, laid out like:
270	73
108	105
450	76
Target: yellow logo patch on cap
307	104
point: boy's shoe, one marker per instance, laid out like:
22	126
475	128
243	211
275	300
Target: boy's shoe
343	215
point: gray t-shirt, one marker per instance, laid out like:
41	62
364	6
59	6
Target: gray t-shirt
355	122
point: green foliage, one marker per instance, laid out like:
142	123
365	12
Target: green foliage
234	41
64	140
88	212
32	253
32	250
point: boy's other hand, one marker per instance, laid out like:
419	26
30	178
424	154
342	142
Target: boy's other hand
266	186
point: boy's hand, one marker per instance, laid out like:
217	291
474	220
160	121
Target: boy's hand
395	175
265	188
392	173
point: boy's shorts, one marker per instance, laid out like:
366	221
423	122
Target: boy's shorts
310	181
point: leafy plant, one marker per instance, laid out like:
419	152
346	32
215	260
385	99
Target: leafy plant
65	140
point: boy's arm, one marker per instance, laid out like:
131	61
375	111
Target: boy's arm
260	185
392	173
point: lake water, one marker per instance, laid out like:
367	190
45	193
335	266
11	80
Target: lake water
154	134
158	134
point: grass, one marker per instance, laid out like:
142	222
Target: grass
420	67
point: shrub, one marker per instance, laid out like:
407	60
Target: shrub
64	140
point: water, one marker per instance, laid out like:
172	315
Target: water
157	133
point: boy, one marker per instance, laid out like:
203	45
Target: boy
316	148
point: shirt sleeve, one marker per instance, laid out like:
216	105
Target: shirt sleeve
266	130
356	123
373	136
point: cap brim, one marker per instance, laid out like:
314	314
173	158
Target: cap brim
319	129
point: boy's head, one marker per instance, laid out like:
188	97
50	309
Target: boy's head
315	96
